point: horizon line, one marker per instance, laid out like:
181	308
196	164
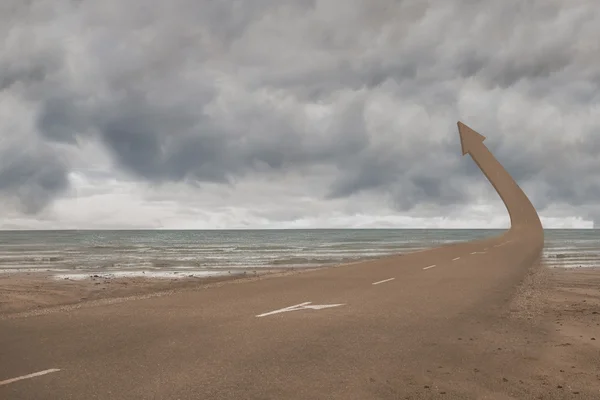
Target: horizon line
270	229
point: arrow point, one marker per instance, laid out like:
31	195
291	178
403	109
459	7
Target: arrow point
468	137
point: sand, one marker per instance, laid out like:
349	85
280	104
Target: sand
552	328
557	311
23	292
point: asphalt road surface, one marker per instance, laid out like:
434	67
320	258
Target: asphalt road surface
362	331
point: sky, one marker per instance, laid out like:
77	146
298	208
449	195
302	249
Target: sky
234	114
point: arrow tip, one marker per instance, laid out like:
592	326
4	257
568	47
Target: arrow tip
468	137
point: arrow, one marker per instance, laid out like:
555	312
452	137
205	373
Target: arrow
523	215
301	306
468	138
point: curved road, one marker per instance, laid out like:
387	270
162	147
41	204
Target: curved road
372	330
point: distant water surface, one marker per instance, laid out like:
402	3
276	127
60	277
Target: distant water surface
128	252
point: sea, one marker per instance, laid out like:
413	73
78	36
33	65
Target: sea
78	254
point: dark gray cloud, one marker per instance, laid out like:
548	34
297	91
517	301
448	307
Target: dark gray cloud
217	91
33	176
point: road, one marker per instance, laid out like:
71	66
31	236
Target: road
362	331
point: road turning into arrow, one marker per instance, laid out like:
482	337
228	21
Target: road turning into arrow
214	347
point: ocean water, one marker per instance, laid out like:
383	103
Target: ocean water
208	252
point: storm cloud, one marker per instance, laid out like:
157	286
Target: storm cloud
340	102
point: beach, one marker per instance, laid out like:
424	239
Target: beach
27	291
557	310
543	342
48	269
22	292
45	269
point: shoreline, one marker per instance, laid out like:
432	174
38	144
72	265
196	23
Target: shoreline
42	291
31	293
25	293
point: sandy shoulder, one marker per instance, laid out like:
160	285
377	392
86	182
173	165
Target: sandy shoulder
559	309
573	307
544	345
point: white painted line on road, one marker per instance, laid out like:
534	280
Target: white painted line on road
384	281
475	252
290	308
20	378
301	306
431	266
457	258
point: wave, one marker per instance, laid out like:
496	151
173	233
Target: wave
581	255
573	265
30	259
314	261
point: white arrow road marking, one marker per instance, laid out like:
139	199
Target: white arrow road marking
301	306
291	308
19	378
431	266
384	281
322	306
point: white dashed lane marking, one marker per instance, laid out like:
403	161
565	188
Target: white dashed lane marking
20	378
431	266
